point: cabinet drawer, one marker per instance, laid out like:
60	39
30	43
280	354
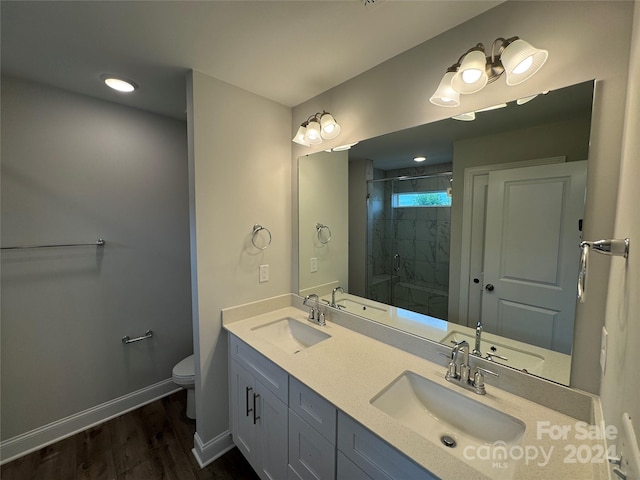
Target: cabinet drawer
311	456
375	457
267	372
313	408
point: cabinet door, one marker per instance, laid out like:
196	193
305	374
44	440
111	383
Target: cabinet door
311	456
243	430
272	425
347	470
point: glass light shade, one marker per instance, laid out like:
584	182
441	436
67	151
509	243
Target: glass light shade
521	61
329	128
342	148
465	117
445	95
472	74
299	137
312	135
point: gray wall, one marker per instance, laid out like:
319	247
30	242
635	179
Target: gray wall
74	169
621	382
236	181
394	96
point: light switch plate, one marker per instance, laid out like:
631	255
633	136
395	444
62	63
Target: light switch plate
314	264
264	273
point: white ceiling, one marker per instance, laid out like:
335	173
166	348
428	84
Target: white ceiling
287	51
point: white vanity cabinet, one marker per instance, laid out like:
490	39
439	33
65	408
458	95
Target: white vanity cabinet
312	434
288	431
259	414
369	457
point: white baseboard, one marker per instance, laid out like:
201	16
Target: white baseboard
206	453
42	436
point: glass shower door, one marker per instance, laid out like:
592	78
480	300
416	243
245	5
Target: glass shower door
383	259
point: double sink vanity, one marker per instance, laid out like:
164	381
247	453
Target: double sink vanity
354	400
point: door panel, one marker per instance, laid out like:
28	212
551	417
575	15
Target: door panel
531	253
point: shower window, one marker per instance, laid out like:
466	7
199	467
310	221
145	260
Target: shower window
438	198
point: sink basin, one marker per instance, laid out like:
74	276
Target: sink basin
517	357
452	420
290	335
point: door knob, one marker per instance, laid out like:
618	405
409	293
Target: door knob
489	288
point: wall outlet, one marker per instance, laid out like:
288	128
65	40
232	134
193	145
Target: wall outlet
603	348
314	264
264	273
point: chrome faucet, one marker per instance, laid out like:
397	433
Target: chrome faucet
333	296
476	349
460	372
316	315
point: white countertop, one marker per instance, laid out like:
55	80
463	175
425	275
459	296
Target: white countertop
553	365
349	369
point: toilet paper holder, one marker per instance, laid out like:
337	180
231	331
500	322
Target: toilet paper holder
126	339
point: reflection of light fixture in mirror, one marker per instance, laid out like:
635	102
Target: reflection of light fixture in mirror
342	148
492	107
119	84
419	159
523	100
514	57
317	127
465	117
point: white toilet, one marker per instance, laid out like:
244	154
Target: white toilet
184	375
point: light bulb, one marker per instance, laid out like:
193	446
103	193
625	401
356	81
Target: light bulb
471	75
524	65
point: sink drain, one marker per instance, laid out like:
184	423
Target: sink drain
447	441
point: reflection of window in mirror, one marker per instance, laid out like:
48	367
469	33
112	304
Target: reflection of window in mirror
438	198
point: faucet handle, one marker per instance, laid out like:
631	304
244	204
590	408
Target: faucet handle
478	379
484	370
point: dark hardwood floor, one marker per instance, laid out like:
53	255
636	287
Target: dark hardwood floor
151	443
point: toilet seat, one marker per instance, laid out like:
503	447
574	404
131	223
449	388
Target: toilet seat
184	372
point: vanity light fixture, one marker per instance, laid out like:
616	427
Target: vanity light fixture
317	127
119	84
514	57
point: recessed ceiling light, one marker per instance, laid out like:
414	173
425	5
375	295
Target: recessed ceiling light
119	84
419	159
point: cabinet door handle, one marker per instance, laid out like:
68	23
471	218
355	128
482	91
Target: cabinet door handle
246	397
255	418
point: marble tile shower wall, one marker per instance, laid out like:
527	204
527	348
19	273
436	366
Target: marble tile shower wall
420	235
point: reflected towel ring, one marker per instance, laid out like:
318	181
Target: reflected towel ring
320	227
256	229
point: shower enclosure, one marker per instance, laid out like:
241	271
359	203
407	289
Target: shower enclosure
408	231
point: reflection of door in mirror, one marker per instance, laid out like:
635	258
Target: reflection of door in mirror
530	254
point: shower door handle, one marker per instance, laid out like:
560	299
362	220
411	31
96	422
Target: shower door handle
396	263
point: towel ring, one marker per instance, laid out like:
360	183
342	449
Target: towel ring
320	227
256	229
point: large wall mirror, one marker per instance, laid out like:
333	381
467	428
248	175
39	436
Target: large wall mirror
480	237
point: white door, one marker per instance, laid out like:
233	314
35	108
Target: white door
531	253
